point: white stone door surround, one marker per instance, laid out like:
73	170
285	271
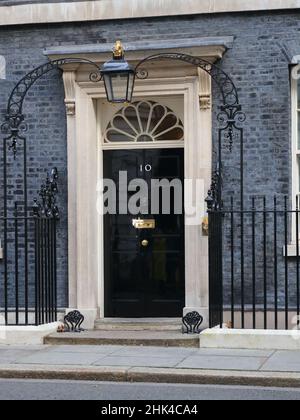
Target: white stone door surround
86	282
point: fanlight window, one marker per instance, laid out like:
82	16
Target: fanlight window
144	122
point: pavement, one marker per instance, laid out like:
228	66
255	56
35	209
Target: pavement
152	364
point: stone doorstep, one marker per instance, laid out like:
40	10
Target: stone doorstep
137	324
162	332
127	337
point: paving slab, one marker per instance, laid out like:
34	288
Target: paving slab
10	355
106	350
150	363
138	361
136	351
24	347
236	352
52	358
283	361
224	363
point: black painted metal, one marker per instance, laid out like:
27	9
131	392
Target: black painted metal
230	116
214	206
47	206
270	297
73	321
15	123
191	323
29	275
227	88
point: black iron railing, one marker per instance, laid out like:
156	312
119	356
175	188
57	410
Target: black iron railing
28	271
28	282
255	264
45	271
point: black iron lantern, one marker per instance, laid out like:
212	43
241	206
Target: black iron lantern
118	76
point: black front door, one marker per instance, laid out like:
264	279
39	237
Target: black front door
144	267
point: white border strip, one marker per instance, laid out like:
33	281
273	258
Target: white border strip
126	9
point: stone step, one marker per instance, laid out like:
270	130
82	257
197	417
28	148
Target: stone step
139	324
128	338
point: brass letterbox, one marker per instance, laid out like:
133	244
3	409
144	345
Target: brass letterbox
143	223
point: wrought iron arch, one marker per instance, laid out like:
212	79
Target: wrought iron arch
230	117
15	126
227	87
15	119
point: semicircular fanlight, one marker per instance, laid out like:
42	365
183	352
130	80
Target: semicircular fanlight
144	121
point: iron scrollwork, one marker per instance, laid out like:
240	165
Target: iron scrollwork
231	111
214	195
191	323
46	207
229	117
73	321
14	124
224	82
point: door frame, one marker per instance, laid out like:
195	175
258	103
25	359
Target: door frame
188	89
86	259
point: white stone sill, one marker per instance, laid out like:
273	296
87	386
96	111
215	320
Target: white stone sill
291	251
250	339
26	335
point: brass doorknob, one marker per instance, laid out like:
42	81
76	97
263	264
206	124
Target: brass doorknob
145	243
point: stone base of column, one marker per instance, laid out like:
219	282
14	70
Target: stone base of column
203	311
90	316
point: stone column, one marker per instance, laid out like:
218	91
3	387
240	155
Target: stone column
198	156
82	216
